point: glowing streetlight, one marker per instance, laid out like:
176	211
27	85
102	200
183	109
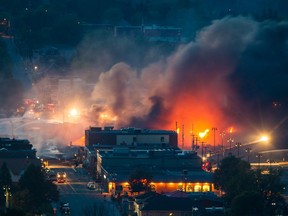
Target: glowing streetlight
73	112
264	138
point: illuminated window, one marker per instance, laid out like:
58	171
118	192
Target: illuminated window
197	188
206	188
189	188
180	187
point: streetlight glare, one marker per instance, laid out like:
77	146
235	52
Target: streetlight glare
73	112
264	138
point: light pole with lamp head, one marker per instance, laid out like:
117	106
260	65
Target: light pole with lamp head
259	159
238	145
248	150
230	140
222	134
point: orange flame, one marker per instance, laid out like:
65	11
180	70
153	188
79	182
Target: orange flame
231	130
203	134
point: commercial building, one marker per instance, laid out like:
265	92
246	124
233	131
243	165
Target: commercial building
131	137
117	153
170	169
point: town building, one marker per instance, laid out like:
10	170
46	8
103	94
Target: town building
117	153
177	203
131	137
171	169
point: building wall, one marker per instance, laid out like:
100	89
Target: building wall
156	162
94	137
143	138
182	186
164	187
130	137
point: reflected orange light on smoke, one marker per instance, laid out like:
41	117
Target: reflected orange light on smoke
199	113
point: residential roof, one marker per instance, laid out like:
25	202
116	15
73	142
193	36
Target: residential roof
167	176
164	203
178	203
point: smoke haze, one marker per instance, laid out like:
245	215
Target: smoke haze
191	87
229	75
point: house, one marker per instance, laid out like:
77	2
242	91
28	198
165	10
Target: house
177	203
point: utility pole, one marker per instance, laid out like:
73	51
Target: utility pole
222	134
182	136
214	130
202	148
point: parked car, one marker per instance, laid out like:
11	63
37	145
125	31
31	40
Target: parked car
91	185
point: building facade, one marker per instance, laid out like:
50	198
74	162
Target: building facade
132	137
170	169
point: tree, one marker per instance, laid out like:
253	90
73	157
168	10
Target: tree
243	186
5	175
247	203
35	190
233	177
140	180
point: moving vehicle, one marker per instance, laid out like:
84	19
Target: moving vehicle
61	177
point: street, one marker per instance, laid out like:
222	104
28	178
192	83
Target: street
82	201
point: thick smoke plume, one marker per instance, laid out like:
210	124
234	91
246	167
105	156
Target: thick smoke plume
232	74
191	87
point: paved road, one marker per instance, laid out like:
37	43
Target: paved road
82	200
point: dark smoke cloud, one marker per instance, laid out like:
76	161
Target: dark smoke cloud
192	70
215	80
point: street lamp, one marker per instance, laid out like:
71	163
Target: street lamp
222	134
238	145
202	148
7	194
214	130
259	159
248	150
230	140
